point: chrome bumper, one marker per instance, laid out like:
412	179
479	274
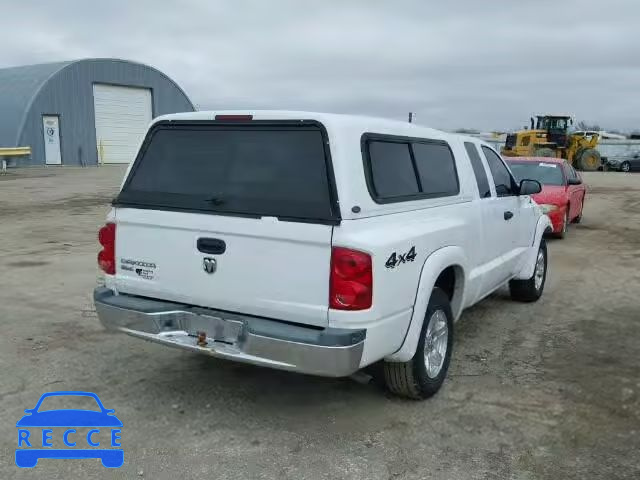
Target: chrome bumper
330	352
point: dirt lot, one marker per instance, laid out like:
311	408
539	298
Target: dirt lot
549	390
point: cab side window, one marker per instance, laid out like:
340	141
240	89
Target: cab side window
436	169
574	174
505	185
400	169
478	170
392	170
568	174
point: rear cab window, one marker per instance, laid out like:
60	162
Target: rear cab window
256	168
401	169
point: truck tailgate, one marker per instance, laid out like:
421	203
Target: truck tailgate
268	268
234	215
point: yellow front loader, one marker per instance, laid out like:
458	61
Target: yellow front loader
549	136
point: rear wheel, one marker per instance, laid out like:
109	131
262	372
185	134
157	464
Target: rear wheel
625	167
423	375
589	160
531	289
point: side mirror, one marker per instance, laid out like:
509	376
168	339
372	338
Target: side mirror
574	181
529	187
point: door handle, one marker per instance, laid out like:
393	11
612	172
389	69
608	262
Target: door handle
508	215
212	246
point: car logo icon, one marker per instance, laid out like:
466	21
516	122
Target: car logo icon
209	265
36	434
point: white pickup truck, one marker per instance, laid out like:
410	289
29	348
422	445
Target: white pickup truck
315	243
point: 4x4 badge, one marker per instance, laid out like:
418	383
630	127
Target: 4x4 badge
209	265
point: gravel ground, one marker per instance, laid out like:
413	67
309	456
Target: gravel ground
547	390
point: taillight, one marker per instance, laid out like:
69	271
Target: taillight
107	256
351	280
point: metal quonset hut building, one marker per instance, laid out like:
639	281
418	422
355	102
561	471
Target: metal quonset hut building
83	112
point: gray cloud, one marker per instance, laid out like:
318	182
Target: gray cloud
467	63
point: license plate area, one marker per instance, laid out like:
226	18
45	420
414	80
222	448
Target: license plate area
198	328
207	328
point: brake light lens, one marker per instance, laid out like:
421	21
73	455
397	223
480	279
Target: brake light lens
107	256
351	280
234	118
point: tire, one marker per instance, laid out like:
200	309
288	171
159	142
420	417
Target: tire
625	167
589	160
415	379
565	226
530	290
544	152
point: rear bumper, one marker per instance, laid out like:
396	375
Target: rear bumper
331	352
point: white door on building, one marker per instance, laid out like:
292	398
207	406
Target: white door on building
122	117
51	131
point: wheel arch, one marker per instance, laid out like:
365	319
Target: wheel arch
446	268
451	280
529	258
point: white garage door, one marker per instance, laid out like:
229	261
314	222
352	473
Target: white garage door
122	117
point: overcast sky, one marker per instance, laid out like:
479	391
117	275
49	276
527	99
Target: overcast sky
484	64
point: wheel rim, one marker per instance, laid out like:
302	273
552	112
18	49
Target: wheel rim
538	276
436	343
625	167
565	223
